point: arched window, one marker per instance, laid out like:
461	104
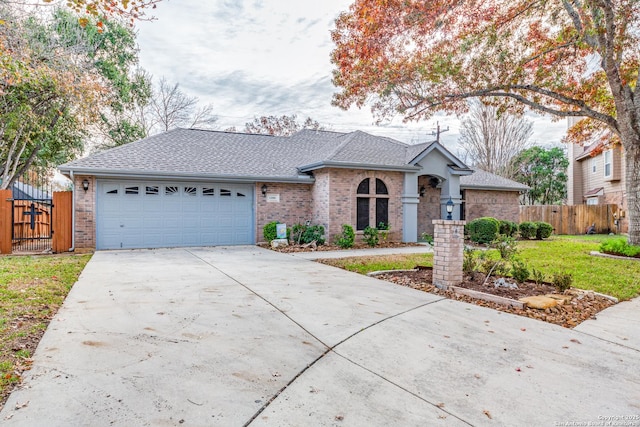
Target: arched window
364	204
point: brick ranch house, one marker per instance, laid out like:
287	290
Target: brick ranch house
190	187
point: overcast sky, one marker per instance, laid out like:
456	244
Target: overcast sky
270	57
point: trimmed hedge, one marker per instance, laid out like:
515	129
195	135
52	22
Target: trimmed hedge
269	231
483	230
543	230
527	229
508	228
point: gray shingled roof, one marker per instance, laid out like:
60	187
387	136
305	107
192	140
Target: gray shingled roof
207	153
483	180
218	155
193	152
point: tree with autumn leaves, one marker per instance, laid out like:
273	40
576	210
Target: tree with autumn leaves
566	58
62	78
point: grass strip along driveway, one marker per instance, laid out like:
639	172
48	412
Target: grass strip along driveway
560	254
32	288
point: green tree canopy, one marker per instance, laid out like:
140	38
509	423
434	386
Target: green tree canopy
545	172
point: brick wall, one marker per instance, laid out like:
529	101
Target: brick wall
294	206
498	204
343	184
320	191
85	220
429	206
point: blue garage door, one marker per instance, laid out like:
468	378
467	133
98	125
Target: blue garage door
168	214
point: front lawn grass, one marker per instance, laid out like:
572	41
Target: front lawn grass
32	288
616	277
367	264
559	254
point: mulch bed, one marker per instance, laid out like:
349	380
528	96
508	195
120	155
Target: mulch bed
332	247
582	306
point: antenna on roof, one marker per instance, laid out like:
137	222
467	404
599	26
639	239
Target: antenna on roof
437	131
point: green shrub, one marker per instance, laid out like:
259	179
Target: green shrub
527	229
384	230
506	246
470	261
562	281
347	238
483	230
619	247
538	276
519	271
500	268
269	231
490	266
508	228
302	233
371	236
426	237
543	230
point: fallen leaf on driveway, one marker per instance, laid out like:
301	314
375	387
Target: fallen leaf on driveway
487	413
575	341
22	405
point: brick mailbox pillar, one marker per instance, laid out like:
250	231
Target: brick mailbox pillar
448	248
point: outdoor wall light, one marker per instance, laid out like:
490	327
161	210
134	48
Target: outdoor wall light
422	190
264	190
449	209
85	185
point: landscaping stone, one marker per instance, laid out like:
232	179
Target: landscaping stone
560	297
540	302
277	243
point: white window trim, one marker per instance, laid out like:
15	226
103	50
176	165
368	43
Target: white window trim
610	163
592	201
594	165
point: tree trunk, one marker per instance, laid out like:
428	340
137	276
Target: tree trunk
632	176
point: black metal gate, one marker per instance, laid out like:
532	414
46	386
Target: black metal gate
32	218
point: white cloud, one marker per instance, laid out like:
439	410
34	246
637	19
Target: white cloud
257	57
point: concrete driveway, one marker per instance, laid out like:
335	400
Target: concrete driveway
245	336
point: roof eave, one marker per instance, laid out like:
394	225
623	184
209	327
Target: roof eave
435	145
454	170
491	188
350	165
134	174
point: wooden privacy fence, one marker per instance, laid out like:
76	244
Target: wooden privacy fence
22	222
572	219
60	220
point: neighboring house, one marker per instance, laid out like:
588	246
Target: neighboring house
596	177
189	187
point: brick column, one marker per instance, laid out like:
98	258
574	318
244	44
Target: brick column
448	247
